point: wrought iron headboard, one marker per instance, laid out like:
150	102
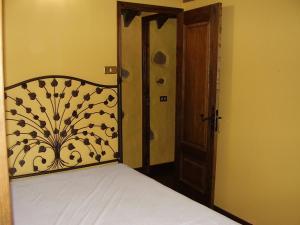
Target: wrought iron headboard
59	122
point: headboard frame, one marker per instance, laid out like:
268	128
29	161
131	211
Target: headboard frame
59	123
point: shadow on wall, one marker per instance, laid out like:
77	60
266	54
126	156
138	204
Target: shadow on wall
225	97
225	92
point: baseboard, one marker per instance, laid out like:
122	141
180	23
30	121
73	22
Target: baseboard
231	216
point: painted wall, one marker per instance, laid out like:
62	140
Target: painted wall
258	160
162	114
62	37
66	37
132	93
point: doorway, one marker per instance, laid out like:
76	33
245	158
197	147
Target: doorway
193	145
159	89
147	62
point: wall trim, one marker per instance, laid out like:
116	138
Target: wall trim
231	216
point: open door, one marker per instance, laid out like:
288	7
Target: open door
196	103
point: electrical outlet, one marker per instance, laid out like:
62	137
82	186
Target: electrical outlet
163	98
110	70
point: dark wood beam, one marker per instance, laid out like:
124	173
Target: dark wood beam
129	15
149	8
161	20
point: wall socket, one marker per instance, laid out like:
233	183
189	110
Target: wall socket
163	98
110	70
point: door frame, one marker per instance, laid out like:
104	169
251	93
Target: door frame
172	12
5	200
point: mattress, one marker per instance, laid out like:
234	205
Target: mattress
112	194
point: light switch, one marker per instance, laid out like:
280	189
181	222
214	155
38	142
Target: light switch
110	70
163	98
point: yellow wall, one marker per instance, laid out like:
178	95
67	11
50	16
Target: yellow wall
62	37
66	37
162	114
258	162
132	93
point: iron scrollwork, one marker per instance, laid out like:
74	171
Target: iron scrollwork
59	122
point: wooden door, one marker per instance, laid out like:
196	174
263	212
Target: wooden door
196	103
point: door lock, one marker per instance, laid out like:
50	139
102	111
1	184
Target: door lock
203	119
214	119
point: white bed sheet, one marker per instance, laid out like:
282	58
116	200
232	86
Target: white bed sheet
107	195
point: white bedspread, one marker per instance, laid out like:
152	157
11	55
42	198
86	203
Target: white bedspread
110	195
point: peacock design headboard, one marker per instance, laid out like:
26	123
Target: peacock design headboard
60	122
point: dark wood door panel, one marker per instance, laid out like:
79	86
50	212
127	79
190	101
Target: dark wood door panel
193	173
196	84
194	150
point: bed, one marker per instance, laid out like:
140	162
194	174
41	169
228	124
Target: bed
60	124
111	194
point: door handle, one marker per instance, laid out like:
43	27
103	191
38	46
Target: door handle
214	118
203	119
